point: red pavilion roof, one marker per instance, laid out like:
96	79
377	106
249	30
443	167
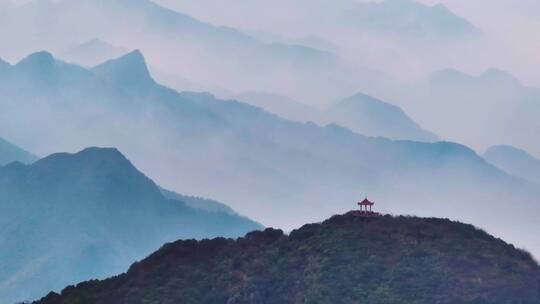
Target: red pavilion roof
366	202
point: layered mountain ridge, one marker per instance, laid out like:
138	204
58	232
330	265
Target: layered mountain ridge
238	153
213	51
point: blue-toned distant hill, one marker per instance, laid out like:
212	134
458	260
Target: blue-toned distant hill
403	18
515	161
199	202
346	259
478	110
370	116
11	153
409	18
72	217
281	172
360	113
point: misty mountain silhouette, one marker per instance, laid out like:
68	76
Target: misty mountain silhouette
345	259
11	153
360	113
370	116
277	171
210	53
492	107
72	217
128	71
92	52
409	18
515	161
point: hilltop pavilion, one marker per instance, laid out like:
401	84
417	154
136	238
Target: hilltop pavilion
366	208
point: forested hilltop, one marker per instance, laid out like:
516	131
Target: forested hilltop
346	259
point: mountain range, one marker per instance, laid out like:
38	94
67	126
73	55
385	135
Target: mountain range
73	217
345	259
477	110
388	17
174	42
408	18
405	38
360	113
279	172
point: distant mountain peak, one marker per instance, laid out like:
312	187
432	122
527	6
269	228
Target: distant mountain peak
509	149
92	52
42	61
500	76
373	117
10	153
106	152
92	212
96	44
95	41
491	74
129	70
409	18
91	155
448	74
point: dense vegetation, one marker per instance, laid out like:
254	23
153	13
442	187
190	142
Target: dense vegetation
346	259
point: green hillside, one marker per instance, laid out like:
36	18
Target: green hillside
346	259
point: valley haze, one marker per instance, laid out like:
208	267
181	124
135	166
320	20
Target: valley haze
129	124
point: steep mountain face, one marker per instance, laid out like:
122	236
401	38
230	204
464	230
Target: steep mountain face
280	172
346	259
11	153
370	116
73	217
515	161
128	72
177	42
